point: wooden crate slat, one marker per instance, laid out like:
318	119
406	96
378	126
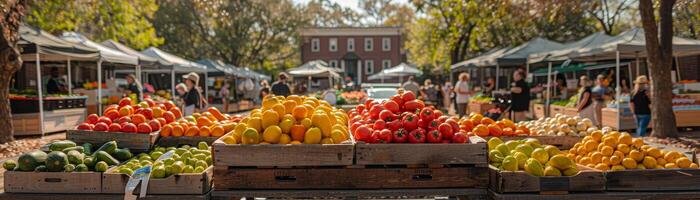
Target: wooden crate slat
133	141
561	142
282	155
308	194
401	154
587	180
45	196
52	182
654	180
192	183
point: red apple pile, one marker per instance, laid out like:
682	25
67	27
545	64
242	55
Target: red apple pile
145	117
403	119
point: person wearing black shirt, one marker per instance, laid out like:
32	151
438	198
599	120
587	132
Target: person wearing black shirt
520	95
264	89
133	86
54	85
193	96
280	87
640	105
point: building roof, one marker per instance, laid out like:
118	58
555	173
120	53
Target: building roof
350	31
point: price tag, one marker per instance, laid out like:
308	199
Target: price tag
141	176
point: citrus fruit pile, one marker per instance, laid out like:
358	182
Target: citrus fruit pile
561	125
185	159
613	150
530	156
477	124
210	123
403	119
291	120
145	117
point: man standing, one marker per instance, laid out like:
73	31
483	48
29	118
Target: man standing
411	85
520	95
463	92
280	87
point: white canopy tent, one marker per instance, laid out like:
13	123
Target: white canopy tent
106	54
144	60
315	68
178	65
399	70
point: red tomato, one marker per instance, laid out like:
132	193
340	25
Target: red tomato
413	106
410	121
441	119
375	110
394	125
400	136
437	114
454	124
433	125
368	103
379	125
408	96
385	136
446	130
417	136
363	133
423	124
460	138
387	115
397	98
434	136
426	114
392	106
361	108
354	126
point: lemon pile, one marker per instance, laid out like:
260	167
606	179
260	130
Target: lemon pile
530	156
291	120
615	150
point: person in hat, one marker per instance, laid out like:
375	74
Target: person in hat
640	105
193	96
280	87
133	86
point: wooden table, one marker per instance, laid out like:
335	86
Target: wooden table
30	196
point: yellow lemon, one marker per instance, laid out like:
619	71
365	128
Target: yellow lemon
338	136
312	136
229	140
629	163
279	108
272	134
683	162
286	126
285	139
306	122
289	106
326	141
250	136
649	162
295	142
255	123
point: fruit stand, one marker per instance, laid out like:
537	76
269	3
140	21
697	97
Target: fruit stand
685	108
60	113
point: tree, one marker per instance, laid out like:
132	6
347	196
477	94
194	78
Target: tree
119	20
659	36
323	13
686	19
609	12
11	14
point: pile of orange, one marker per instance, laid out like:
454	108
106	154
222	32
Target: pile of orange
477	124
210	123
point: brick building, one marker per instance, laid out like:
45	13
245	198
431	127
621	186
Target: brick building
357	51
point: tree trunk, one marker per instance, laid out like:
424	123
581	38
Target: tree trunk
11	14
660	57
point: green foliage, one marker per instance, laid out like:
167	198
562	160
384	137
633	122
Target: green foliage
120	20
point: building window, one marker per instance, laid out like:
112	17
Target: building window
351	44
333	63
333	44
386	44
386	64
368	44
315	45
369	66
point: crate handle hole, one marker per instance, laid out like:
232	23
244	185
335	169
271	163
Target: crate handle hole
285	178
52	180
422	177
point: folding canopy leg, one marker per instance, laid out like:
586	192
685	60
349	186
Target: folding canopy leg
549	83
40	91
99	86
618	89
70	81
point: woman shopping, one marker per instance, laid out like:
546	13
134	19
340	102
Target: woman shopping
193	96
640	105
133	86
584	105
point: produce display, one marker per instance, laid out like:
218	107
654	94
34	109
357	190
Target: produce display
351	97
145	117
210	123
403	119
530	156
185	159
612	150
481	99
66	156
560	125
291	120
477	124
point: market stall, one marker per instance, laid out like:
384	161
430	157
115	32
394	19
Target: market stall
317	74
399	70
219	73
177	65
34	112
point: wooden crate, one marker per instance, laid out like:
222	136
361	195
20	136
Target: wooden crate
422	154
230	178
539	111
561	142
53	182
173	141
570	111
687	118
439	193
190	183
597	195
653	180
46	196
479	107
588	180
610	118
134	141
282	155
54	121
554	110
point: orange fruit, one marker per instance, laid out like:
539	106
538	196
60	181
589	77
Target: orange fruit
299	112
500	124
138	118
204	131
298	131
192	131
177	130
494	130
203	121
215	112
289	106
481	130
217	131
166	130
487	121
508	131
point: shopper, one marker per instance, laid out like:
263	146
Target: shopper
489	87
54	85
463	92
520	97
562	90
447	95
193	96
428	92
598	94
264	89
280	87
411	85
133	86
585	100
224	94
640	105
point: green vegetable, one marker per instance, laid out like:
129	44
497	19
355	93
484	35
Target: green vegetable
89	161
75	157
60	145
69	168
56	160
9	165
108	147
202	146
87	148
29	161
40	168
101	166
122	154
81	168
104	156
75	148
